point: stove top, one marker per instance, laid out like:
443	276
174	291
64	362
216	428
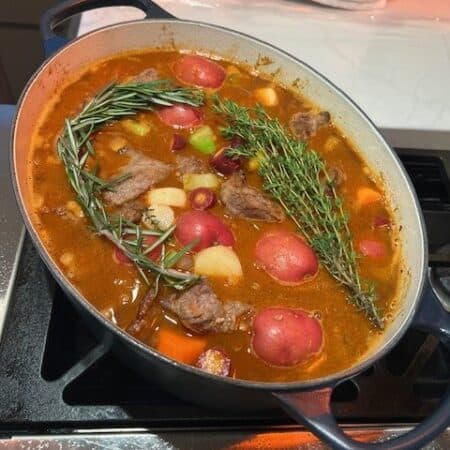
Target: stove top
58	389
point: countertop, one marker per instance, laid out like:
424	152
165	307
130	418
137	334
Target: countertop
394	62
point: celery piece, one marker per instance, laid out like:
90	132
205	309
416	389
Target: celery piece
203	140
193	181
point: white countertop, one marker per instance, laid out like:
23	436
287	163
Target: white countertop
394	62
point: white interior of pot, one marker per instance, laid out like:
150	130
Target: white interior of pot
229	45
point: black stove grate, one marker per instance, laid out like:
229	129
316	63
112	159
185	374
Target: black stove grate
428	175
47	381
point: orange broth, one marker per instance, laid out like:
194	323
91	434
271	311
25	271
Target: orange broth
115	290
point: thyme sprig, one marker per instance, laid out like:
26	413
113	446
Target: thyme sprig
74	147
298	179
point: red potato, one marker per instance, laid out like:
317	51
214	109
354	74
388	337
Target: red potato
199	71
223	163
181	116
120	257
286	257
372	249
206	227
286	337
215	361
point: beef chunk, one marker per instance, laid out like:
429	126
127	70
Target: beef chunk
132	211
201	311
336	179
140	321
305	124
144	173
146	76
245	202
190	164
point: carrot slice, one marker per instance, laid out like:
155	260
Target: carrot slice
366	196
180	347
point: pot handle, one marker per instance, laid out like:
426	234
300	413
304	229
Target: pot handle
53	16
313	410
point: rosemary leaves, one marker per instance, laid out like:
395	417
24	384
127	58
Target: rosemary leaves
294	176
74	147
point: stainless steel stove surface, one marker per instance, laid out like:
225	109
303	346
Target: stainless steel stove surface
60	389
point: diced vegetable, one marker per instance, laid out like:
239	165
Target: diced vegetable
366	196
203	140
73	207
169	196
331	143
178	142
117	143
266	96
286	337
120	258
202	198
218	261
372	249
135	127
160	216
382	222
178	346
181	116
199	71
286	257
67	259
215	361
254	163
205	227
225	165
193	181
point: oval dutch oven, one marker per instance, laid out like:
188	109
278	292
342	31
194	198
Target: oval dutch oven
307	401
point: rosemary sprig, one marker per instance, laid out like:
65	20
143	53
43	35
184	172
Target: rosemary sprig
74	147
298	179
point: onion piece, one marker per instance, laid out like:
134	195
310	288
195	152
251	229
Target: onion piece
382	222
178	142
224	164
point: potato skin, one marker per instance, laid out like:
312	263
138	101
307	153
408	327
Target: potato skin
199	71
286	257
286	337
205	227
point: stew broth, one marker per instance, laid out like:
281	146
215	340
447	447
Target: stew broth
116	289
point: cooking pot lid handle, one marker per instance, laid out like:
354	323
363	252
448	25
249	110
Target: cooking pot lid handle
62	11
313	410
